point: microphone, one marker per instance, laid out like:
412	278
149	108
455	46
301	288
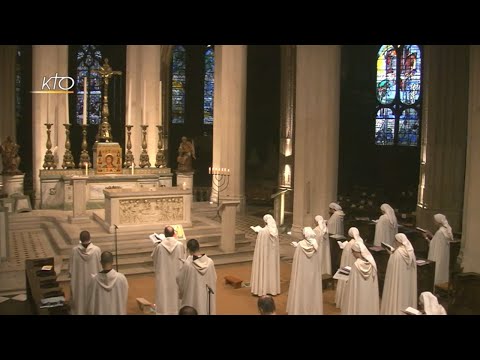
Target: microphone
209	289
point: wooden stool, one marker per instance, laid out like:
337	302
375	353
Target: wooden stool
234	281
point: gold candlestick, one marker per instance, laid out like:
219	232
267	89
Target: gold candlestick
49	159
144	158
84	157
160	159
129	155
68	162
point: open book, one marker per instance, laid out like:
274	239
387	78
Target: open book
362	218
421	262
294	243
388	247
420	229
411	311
256	228
342	244
342	273
337	237
156	238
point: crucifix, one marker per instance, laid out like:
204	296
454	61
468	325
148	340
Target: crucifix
104	130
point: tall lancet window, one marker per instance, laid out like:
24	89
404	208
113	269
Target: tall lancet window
208	86
178	85
399	93
19	85
89	57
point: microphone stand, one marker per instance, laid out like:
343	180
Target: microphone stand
209	291
116	252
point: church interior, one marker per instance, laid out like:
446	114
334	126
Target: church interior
124	140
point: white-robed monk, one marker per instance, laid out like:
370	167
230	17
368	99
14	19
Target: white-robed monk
84	263
386	227
430	304
335	222
168	257
361	294
266	260
108	290
196	279
305	292
347	259
440	249
323	241
400	287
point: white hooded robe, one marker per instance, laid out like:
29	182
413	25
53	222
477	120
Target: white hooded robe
108	294
192	281
324	246
440	253
166	265
84	263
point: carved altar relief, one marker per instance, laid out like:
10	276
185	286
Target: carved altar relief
153	210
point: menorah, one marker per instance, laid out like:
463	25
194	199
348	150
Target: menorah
220	179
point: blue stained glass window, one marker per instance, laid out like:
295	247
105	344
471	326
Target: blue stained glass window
178	85
410	74
386	74
384	127
208	86
89	57
398	87
408	128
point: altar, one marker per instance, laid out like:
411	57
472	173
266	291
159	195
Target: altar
145	209
57	188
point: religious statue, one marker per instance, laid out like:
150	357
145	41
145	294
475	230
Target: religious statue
186	152
10	157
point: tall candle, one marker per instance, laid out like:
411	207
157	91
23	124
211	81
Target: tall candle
85	105
48	100
129	103
209	170
144	117
160	113
67	115
86	168
133	167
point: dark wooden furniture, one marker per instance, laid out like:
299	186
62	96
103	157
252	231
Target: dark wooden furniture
466	295
43	284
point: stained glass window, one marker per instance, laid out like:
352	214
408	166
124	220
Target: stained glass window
398	89
18	87
89	57
178	85
208	86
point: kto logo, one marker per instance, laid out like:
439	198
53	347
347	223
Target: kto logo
56	85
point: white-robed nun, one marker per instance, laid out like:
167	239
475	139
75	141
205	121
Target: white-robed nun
430	304
335	222
305	292
440	249
400	287
266	260
386	227
347	259
361	293
323	241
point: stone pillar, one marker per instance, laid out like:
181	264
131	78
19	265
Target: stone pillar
8	55
287	123
4	248
470	252
79	200
229	125
317	114
444	130
143	84
47	60
228	213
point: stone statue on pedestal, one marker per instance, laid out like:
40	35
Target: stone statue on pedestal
10	157
186	152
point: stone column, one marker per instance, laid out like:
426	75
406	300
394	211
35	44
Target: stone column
470	252
444	130
8	55
317	115
79	200
47	60
287	123
4	247
229	125
228	213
